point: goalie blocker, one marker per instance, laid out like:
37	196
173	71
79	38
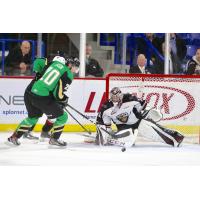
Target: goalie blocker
131	118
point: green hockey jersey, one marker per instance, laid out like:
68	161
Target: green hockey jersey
39	65
54	81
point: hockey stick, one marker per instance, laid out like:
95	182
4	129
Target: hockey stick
87	118
77	121
111	141
81	114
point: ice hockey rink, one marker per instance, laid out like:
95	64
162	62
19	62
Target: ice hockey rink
78	153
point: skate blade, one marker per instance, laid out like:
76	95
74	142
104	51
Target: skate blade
10	144
31	138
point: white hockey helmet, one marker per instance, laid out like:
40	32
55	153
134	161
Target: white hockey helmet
116	95
59	59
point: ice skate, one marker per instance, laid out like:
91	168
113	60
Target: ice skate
57	142
30	136
179	138
44	136
13	141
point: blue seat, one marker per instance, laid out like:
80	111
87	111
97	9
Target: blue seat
160	35
131	42
196	42
183	35
188	41
191	50
195	35
135	35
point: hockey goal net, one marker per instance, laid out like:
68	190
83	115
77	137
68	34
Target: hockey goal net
177	97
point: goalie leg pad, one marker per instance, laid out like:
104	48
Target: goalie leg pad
126	137
154	132
175	134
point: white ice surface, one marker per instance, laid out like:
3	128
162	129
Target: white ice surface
79	153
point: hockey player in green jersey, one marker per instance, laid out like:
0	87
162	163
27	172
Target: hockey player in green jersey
47	96
39	67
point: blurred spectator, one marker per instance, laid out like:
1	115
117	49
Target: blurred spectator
18	60
141	66
159	64
92	66
193	65
178	52
143	48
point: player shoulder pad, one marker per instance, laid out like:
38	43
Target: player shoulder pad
105	106
192	62
59	65
128	97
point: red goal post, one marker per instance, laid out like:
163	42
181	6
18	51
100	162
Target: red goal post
177	96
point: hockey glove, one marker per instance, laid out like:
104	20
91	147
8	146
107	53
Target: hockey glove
64	101
143	104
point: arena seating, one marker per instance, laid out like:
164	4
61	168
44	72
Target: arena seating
192	41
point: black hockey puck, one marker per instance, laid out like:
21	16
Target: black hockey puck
123	149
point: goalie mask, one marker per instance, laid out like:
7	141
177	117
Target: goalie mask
116	95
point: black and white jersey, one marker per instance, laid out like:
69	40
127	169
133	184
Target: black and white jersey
127	112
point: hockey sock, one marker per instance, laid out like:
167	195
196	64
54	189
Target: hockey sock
57	131
25	126
47	126
32	127
59	125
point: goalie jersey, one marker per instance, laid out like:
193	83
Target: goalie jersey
125	114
